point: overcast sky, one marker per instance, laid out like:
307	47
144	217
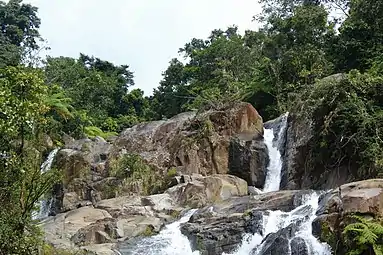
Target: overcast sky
144	34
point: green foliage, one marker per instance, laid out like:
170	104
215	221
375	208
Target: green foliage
98	91
19	33
364	236
22	101
93	131
132	171
328	236
149	231
361	36
347	115
171	172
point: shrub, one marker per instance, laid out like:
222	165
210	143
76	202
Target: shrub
364	236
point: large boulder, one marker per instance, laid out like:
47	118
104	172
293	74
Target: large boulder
208	190
364	198
194	144
83	163
248	159
215	235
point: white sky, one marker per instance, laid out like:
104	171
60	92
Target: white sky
144	34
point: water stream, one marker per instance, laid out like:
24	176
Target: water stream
44	204
273	175
169	241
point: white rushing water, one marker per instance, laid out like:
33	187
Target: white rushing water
273	221
44	205
273	175
170	241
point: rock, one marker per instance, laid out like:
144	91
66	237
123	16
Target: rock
46	141
325	223
60	229
248	159
278	243
220	227
101	249
209	189
72	201
254	225
114	220
216	235
181	141
84	164
363	197
99	232
296	173
298	246
299	135
284	200
329	202
253	190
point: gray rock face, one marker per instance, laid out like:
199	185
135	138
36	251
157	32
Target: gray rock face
248	159
336	206
278	243
298	246
113	220
299	134
215	236
182	141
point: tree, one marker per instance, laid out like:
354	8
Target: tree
22	104
221	64
361	36
19	31
96	87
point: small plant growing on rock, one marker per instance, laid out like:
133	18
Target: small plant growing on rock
135	175
172	172
149	231
364	236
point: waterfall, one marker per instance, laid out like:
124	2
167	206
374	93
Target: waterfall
274	169
169	241
292	226
285	233
44	205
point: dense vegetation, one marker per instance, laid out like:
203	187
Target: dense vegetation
276	68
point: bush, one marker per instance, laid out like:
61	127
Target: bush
364	236
132	170
347	117
92	131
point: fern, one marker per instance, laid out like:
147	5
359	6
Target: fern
364	235
60	104
92	131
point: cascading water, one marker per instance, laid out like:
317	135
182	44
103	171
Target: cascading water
169	241
273	176
293	228
44	205
290	226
